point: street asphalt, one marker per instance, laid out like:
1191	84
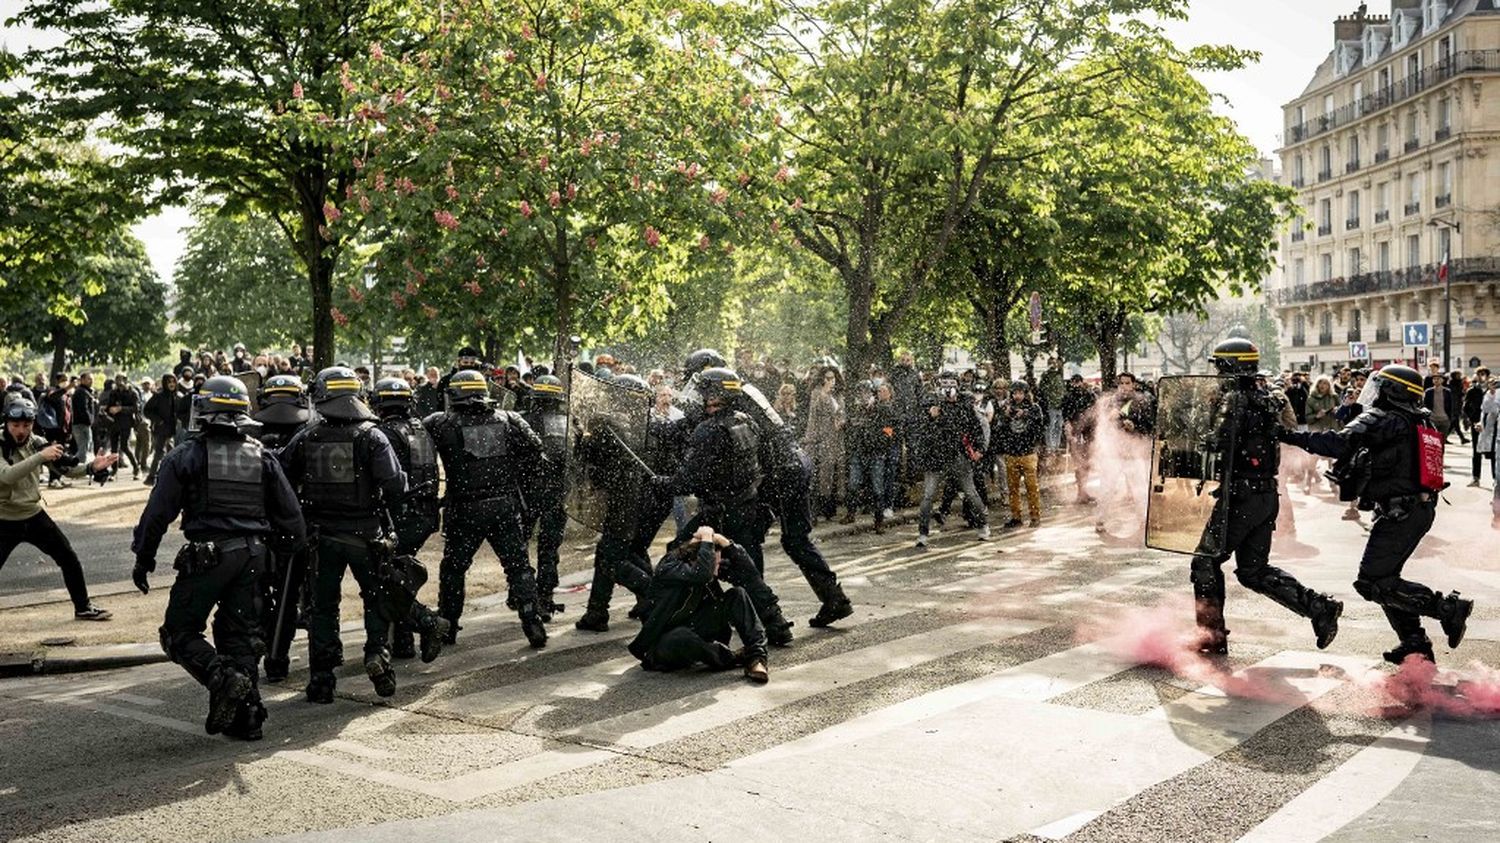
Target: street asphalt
982	691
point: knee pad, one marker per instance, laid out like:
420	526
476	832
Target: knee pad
1205	571
1372	590
1250	579
165	638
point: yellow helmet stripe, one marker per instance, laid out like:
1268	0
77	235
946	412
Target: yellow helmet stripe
389	393
730	384
547	387
343	384
233	402
1414	387
472	385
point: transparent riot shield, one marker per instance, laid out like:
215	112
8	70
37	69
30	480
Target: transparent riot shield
1186	469
606	435
252	382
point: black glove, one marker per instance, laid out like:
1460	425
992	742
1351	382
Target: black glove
139	574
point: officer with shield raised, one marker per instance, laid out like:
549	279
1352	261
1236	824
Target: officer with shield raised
346	473
234	501
547	414
1245	513
486	454
1390	460
414	517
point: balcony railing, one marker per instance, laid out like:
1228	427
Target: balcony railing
1351	167
1382	334
1298	235
1355	335
1443	201
1413	207
1442	134
1325	230
1298	340
1325	175
1464	270
1299	183
1382	216
1350	225
1412	144
1325	338
1382	156
1468	61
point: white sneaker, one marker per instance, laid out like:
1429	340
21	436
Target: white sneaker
921	539
887	514
984	533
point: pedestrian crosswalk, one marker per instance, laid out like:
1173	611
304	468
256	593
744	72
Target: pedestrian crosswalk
965	709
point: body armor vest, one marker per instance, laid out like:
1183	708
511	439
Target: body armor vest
232	483
1394	467
1257	451
735	477
474	447
552	426
337	479
415	451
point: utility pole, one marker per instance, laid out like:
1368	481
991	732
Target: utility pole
1447	291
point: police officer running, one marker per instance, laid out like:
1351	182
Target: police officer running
283	411
234	500
415	516
485	454
1390	459
547	415
346	472
1249	422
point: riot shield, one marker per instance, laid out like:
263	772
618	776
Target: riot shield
252	382
1186	469
606	435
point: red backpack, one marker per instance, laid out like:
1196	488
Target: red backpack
1430	457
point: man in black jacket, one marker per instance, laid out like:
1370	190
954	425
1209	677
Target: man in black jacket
85	407
692	614
948	438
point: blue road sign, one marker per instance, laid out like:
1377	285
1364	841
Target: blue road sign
1416	334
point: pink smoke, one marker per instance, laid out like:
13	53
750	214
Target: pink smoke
1471	694
1119	464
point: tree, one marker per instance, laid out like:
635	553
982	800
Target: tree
243	100
238	281
897	113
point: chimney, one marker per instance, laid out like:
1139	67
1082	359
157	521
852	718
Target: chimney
1351	27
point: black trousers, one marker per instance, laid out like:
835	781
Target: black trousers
705	637
1390	545
1247	537
337	553
794	512
161	442
119	443
231	585
413	529
466	526
547	521
1478	462
623	553
41	532
283	587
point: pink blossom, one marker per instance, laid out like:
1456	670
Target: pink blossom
480	262
526	31
452	193
398	300
635	181
652	237
338	317
775	226
376	53
398	96
541	81
359	163
324	233
585	147
446	220
443	93
718	196
504	231
411	288
797	204
473	287
406	186
782	174
544	162
703	242
509	56
357	295
296	90
364	204
572	191
429	311
554	199
331	213
379	181
591	241
344	78
742	177
746	101
525	209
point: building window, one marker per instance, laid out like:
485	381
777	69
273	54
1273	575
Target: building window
1444	244
1328	105
1354	156
1325	163
1359	99
1444	196
1382	202
1384	81
1356	325
1299	177
1299	272
1325	267
1383	256
1356	263
1413	193
1382	142
1352	220
1412	141
1325	217
1413	251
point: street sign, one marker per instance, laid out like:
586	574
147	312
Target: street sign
1359	351
1035	309
1421	359
1416	334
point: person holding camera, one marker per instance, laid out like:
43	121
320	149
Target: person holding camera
22	518
1019	427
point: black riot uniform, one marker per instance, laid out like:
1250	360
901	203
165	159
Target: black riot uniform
547	414
786	488
414	518
1249	422
722	468
346	473
634	510
486	453
283	411
1390	460
234	501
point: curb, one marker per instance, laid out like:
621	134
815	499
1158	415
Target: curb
57	660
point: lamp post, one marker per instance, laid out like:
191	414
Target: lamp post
1447	290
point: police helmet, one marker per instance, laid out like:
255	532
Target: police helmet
20	409
703	358
339	394
1401	385
548	388
719	383
282	389
391	394
1236	356
632	383
222	400
468	387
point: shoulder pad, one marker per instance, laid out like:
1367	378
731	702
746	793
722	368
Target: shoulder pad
1367	421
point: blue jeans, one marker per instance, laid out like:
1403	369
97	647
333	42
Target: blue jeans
861	465
1054	429
893	480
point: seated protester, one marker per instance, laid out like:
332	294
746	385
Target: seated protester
692	614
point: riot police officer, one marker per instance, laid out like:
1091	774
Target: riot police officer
1390	460
486	453
415	517
722	468
547	415
234	501
283	410
1245	514
787	487
346	472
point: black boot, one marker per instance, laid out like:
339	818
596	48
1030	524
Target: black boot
1213	637
226	690
532	626
593	620
403	646
382	676
546	607
1415	646
778	628
836	607
1325	620
320	687
276	669
1453	613
451	636
247	720
434	635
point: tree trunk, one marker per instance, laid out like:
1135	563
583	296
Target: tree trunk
318	257
59	348
1108	329
562	304
857	339
999	341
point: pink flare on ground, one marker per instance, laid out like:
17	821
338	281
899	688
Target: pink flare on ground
1472	693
